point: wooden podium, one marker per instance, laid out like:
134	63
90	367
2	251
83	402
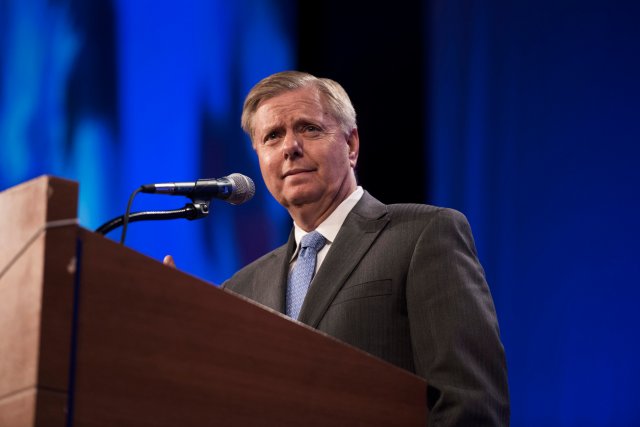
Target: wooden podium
96	334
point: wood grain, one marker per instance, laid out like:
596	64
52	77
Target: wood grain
158	347
36	300
19	409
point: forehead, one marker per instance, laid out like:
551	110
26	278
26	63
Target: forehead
304	103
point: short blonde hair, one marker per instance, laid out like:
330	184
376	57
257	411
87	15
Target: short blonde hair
335	97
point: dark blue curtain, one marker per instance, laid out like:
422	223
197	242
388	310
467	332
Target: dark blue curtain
534	135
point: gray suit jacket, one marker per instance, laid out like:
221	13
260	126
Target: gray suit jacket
403	282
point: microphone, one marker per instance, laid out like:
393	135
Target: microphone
235	188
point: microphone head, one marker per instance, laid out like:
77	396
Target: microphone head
243	189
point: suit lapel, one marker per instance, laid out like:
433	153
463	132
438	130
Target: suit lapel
359	231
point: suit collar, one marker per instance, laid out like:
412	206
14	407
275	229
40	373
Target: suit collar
359	231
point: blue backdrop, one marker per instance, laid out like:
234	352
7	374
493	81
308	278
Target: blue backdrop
533	134
535	137
118	94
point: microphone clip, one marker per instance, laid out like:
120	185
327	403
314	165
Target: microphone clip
200	208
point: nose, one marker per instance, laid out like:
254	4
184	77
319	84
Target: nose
291	146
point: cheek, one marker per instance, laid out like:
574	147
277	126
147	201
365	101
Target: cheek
339	160
268	167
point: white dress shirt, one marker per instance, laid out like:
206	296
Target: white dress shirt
329	228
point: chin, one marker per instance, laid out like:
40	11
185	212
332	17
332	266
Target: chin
300	197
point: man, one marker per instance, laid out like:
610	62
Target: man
402	282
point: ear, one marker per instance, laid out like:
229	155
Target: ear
353	141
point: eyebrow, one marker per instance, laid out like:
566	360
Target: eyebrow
296	123
273	128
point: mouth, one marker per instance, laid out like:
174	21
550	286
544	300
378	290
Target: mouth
296	171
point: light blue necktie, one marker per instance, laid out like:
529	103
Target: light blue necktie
303	272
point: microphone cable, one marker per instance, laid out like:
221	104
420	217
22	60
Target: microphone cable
125	221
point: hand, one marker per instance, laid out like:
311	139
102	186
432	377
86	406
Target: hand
168	260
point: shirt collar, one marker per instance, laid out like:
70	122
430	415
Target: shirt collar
330	227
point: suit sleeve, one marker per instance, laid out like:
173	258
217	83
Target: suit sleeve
454	328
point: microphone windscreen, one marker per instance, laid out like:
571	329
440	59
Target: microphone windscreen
243	189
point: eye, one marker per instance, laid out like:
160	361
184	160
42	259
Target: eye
273	135
311	129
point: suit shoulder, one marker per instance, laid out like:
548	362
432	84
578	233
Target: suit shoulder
425	212
417	218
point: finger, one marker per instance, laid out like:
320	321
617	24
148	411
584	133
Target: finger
168	260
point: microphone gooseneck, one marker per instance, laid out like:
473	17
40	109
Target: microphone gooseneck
235	189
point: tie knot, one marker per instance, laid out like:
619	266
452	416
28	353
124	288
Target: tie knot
313	240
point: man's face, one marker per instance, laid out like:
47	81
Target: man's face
305	156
